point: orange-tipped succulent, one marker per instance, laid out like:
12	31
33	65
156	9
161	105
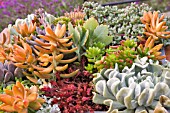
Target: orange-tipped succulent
24	29
40	56
19	99
154	51
155	26
52	52
4	44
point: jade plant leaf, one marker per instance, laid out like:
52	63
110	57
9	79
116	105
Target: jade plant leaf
91	25
101	35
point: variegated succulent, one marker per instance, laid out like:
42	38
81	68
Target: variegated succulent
133	90
20	99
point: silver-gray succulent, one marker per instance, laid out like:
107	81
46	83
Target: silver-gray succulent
48	108
134	90
123	22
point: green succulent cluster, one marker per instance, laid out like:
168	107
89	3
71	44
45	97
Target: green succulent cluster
133	90
91	32
61	20
124	55
94	54
123	23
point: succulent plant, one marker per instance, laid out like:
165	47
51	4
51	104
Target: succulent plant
25	30
148	49
61	20
20	99
155	26
88	34
94	54
47	107
50	109
76	16
41	54
163	105
123	23
124	55
8	72
135	89
43	17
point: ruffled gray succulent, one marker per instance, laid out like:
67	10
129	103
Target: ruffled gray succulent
8	72
123	23
134	90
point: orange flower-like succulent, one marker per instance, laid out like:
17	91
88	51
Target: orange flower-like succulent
19	99
24	29
155	26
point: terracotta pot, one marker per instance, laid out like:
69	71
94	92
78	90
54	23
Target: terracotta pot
167	52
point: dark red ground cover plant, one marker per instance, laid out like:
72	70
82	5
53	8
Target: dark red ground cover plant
74	94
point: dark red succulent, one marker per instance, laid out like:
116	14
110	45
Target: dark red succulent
74	94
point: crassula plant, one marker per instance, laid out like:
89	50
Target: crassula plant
135	89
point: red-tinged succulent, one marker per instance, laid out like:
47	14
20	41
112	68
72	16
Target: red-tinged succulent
19	99
76	16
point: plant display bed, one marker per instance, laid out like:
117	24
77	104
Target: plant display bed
94	59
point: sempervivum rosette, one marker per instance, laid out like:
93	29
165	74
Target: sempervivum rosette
136	89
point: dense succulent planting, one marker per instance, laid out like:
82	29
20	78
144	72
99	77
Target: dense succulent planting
123	23
38	51
104	58
91	32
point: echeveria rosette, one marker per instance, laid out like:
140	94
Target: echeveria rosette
136	89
